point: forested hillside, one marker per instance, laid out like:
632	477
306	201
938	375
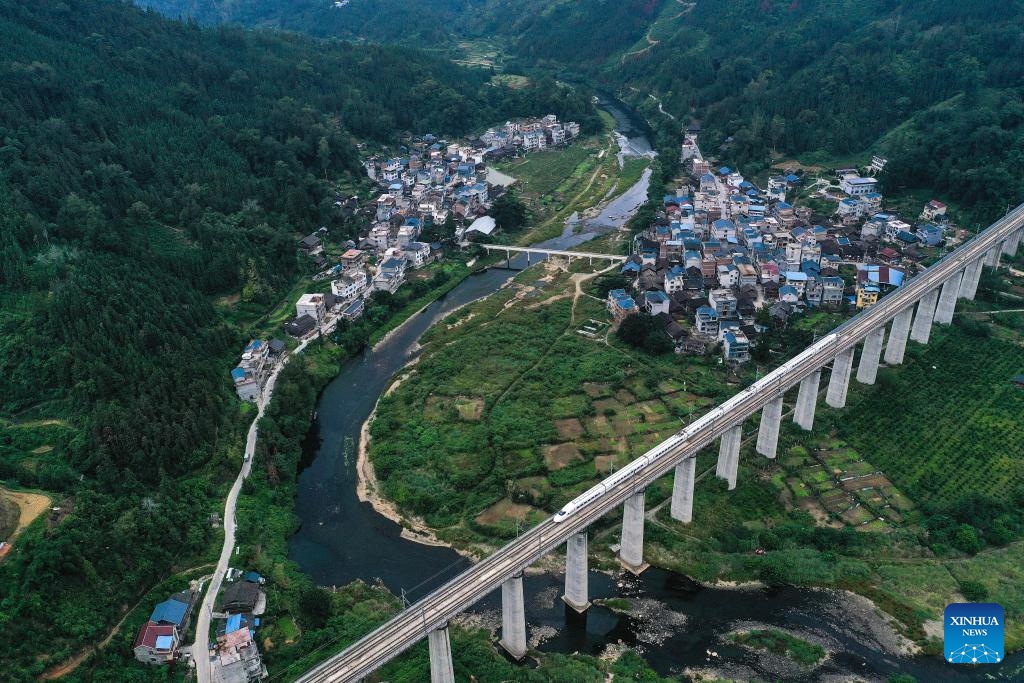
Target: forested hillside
833	77
148	167
537	33
934	85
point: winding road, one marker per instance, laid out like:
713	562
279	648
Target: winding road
201	645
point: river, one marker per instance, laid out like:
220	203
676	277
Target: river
676	622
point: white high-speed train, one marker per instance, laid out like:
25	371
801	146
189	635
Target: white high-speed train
680	437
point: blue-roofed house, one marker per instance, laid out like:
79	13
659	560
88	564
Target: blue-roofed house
792	179
621	305
789	294
906	238
705	321
735	346
173	612
723	229
930	234
707	183
725	170
234	622
630	268
656	302
675	279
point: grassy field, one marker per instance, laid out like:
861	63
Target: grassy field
557	182
540	414
782	643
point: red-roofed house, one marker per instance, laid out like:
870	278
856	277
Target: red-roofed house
933	209
155	643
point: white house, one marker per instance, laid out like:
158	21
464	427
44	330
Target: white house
656	302
350	285
706	322
313	305
735	346
723	301
797	280
675	279
417	254
855	186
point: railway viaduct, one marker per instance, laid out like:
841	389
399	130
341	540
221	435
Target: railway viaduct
881	331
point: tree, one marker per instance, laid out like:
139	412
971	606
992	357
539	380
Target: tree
509	212
974	591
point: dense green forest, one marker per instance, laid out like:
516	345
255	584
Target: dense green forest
832	78
147	168
577	32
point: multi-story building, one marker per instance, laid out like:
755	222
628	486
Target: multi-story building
620	304
252	370
313	305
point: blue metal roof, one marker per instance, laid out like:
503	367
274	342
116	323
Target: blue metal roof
238	373
169	612
233	624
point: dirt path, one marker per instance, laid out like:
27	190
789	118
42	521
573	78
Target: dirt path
30	506
654	42
70	665
36	423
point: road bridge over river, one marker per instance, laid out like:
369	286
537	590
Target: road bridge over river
530	251
928	299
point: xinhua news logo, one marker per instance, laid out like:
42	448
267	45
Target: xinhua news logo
973	633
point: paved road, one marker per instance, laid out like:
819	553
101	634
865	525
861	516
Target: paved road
200	647
436	609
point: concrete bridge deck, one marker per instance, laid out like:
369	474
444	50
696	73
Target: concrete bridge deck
553	252
432	613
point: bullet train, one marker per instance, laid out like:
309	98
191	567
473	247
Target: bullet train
679	438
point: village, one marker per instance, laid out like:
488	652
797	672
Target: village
435	187
722	249
234	654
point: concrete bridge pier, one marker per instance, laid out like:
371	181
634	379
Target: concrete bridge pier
631	551
768	432
440	646
992	257
839	381
1011	244
972	275
898	332
513	617
867	371
729	455
576	587
682	490
922	328
947	299
806	401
